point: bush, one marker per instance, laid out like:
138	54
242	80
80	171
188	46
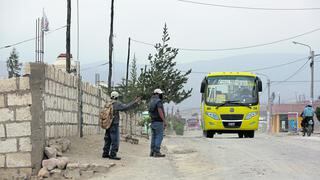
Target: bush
179	128
177	125
145	120
318	113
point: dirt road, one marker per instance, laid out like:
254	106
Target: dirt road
224	157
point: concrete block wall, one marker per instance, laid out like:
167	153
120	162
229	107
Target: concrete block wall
15	127
91	105
38	107
60	103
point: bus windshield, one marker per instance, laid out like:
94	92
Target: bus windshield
231	89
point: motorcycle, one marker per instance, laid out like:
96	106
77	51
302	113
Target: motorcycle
308	128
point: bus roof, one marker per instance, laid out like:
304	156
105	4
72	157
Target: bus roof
231	74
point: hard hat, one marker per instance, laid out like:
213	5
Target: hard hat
309	103
114	94
158	91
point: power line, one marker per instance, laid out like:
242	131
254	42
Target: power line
235	48
279	65
27	40
307	81
85	69
251	8
295	73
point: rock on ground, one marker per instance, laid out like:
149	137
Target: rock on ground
43	173
50	164
50	152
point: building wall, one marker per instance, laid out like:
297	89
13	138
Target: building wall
41	106
15	127
60	103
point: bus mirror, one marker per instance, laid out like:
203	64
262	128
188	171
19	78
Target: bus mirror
259	85
203	85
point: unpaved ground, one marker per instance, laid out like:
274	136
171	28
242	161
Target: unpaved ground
223	157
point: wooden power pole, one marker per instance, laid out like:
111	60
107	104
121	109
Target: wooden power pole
110	47
128	62
68	36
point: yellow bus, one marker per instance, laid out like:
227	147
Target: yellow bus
230	103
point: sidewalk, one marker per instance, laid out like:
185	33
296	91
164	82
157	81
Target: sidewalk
135	162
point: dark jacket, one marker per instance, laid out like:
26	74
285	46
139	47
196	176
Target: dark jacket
155	103
118	106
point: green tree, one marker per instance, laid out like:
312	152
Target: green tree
13	65
163	74
318	113
132	91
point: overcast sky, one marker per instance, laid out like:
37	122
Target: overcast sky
190	26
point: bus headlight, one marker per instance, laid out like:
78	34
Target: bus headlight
251	115
213	115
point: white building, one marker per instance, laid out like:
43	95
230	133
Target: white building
61	63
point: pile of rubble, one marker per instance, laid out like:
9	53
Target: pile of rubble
130	139
55	164
58	167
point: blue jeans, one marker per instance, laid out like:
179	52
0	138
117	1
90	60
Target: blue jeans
156	136
111	140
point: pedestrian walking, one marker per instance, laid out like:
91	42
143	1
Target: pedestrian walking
112	134
158	122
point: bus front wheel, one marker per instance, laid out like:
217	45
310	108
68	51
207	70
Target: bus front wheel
240	134
208	134
249	134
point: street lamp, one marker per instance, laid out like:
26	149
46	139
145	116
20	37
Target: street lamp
311	66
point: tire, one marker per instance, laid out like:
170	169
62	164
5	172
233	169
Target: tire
309	129
250	134
240	134
208	134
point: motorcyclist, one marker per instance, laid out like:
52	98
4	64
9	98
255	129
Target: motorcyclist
307	115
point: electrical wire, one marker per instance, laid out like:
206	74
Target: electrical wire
251	8
88	68
295	73
276	66
235	48
307	81
27	40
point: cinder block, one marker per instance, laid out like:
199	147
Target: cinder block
8	145
7	173
56	74
2	161
18	129
51	72
23	114
61	77
27	69
19	99
6	114
25	172
8	85
24	83
2	103
2	134
67	79
25	144
19	160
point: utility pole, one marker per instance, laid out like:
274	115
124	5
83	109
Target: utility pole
268	107
128	62
110	47
312	75
68	36
311	66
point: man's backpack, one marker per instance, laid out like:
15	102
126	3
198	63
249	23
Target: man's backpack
106	116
